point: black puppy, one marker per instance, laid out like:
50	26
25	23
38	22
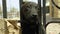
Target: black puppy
29	18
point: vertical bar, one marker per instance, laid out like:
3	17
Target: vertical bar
39	15
41	31
44	15
20	5
5	15
4	9
44	12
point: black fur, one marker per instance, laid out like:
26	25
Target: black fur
29	21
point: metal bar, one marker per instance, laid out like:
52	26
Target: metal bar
20	5
41	30
5	14
44	15
51	22
44	12
4	9
39	15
